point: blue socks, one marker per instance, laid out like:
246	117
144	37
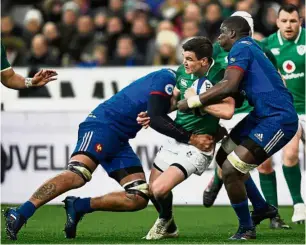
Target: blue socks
27	209
254	195
242	211
82	205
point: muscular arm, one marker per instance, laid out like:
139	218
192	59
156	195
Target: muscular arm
174	99
224	110
12	80
158	108
217	93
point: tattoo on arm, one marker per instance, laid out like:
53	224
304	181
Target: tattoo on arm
45	191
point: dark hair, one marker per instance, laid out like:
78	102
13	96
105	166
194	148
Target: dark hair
290	8
238	24
201	46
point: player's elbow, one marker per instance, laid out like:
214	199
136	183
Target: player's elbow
229	111
228	114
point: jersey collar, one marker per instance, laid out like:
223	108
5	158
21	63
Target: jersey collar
280	39
212	64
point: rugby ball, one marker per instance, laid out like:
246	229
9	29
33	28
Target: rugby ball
200	86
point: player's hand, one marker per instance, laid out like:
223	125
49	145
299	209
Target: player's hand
42	77
143	119
183	106
203	142
189	92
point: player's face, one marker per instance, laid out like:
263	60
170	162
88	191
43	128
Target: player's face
289	24
224	38
191	62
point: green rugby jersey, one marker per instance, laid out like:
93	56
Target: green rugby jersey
4	62
290	57
206	124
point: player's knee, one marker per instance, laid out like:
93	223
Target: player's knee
266	167
159	190
290	156
83	172
137	192
229	173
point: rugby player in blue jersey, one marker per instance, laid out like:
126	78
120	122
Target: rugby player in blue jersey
103	139
270	126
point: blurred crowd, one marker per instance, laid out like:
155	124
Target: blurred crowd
97	33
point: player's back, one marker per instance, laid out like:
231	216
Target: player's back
121	110
262	84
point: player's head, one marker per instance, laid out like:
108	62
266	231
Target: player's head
245	15
197	54
232	29
289	21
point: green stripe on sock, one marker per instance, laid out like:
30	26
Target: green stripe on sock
269	187
293	178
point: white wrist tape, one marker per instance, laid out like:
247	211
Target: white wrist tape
28	82
194	101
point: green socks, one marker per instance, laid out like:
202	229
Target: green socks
293	179
269	187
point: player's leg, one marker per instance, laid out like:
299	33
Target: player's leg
292	173
126	169
269	188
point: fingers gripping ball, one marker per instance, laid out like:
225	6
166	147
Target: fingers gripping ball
200	86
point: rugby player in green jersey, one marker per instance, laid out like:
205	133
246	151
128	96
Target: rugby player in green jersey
12	80
288	47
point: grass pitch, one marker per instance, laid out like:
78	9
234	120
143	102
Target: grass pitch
196	224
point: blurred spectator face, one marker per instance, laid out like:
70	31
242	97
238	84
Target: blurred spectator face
192	12
50	31
140	27
114	25
258	36
116	5
166	50
85	25
294	2
271	16
203	3
69	17
213	13
289	24
125	47
7	25
100	54
33	26
100	20
243	6
190	29
39	46
165	26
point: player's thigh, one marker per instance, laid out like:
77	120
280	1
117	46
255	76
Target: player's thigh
236	136
184	157
155	173
302	125
96	142
266	167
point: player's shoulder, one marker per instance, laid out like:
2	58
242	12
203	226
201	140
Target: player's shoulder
180	71
271	40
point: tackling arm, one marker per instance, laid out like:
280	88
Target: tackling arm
217	93
224	110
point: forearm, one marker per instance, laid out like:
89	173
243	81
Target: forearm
166	126
14	82
223	110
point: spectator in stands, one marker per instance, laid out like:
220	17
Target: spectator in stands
33	22
167	42
228	7
192	12
67	27
82	43
40	55
100	22
141	33
212	21
114	29
115	8
126	53
53	10
8	27
53	38
15	50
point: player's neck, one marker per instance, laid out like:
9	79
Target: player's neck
201	72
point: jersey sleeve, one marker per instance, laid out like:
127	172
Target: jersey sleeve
239	58
163	83
4	62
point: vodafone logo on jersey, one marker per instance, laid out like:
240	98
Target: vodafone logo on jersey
289	66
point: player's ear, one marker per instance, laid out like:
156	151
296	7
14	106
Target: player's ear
232	34
204	61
